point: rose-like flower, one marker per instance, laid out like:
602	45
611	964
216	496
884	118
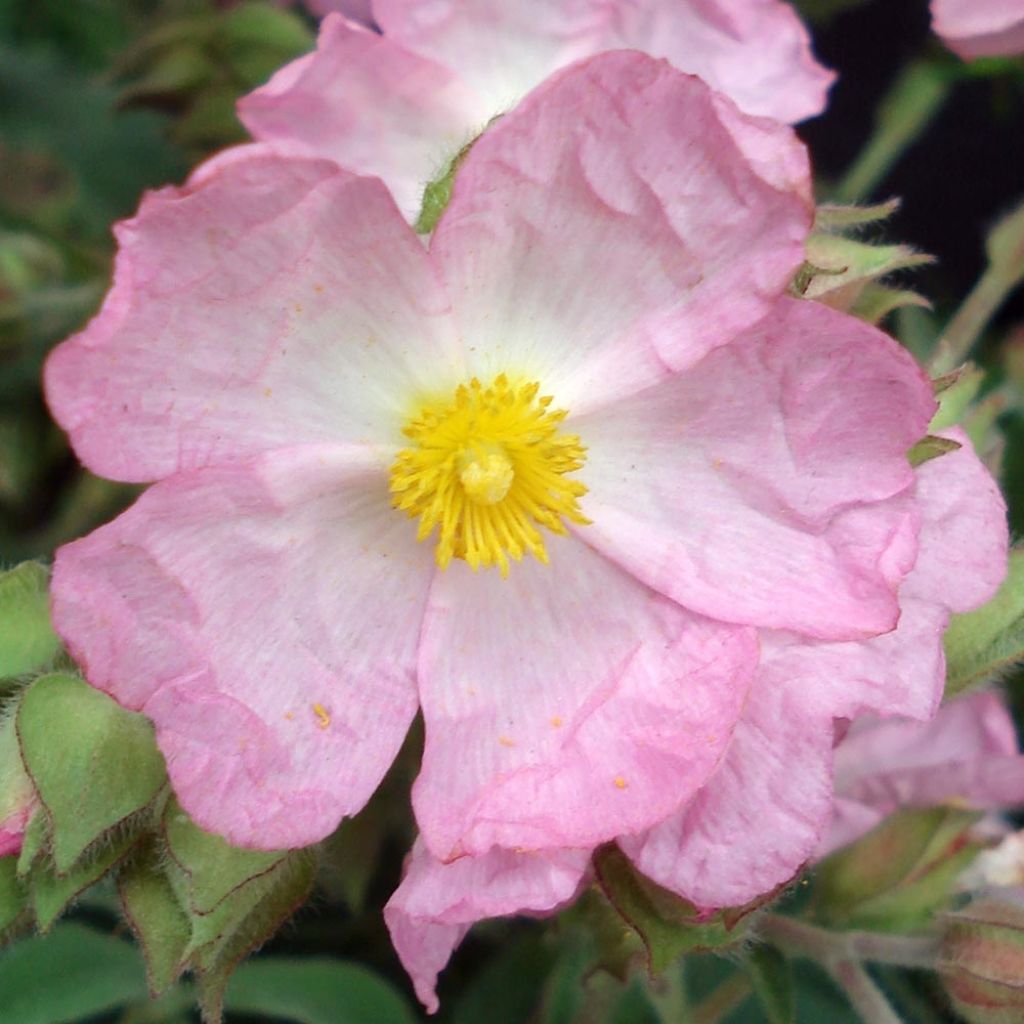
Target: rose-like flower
402	104
968	755
768	808
980	28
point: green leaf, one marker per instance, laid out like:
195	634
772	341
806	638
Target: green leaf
772	978
896	876
52	893
33	843
161	926
315	991
93	764
667	925
930	447
12	895
27	640
214	869
986	642
72	974
282	893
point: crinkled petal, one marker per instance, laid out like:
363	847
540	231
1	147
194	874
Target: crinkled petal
278	302
265	617
592	248
567	704
967	754
980	28
962	560
371	105
755	51
964	537
760	816
436	903
750	488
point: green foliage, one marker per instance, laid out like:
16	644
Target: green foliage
315	991
71	975
899	874
27	640
985	643
12	896
667	925
929	448
93	764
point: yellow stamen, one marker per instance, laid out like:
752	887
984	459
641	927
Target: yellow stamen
486	469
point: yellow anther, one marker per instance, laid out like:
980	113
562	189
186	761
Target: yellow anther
487	470
323	719
620	782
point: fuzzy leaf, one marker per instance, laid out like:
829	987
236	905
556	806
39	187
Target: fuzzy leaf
53	893
287	890
93	763
73	974
667	925
161	926
983	643
27	640
12	896
315	991
213	868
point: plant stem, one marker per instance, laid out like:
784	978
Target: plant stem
866	997
720	1003
903	115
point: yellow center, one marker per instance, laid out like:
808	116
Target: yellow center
487	468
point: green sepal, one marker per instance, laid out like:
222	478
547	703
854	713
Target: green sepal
34	843
153	912
982	644
438	192
955	392
52	894
772	980
837	218
283	893
899	874
667	926
931	447
212	868
94	765
27	640
13	899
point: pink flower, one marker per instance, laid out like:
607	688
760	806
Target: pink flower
402	104
967	754
980	28
764	811
282	354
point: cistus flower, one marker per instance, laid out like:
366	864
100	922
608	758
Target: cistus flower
980	28
770	807
403	103
968	755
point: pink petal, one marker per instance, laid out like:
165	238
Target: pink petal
750	488
611	230
276	302
566	705
980	28
759	817
265	616
968	754
755	51
372	105
964	538
436	903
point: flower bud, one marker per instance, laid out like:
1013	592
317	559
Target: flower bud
17	797
982	958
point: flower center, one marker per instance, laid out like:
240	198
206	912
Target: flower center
487	468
